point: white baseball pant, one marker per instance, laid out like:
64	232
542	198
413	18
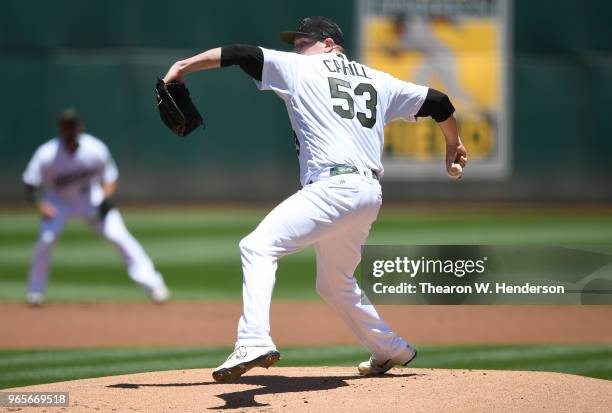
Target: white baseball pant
335	214
137	263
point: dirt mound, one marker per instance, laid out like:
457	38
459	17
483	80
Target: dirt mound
337	389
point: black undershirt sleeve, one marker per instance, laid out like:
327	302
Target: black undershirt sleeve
249	58
437	105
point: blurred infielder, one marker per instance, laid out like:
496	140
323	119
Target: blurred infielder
338	109
79	177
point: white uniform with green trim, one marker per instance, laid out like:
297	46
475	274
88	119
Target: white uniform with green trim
338	110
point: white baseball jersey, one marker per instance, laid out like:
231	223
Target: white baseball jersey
338	108
75	176
72	183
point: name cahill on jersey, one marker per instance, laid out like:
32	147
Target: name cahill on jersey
347	68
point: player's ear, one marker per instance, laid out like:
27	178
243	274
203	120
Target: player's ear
329	44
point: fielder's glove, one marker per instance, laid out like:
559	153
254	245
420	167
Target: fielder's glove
176	108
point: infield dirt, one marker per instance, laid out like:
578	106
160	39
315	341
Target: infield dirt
294	323
335	389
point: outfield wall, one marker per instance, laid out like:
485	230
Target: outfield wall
103	57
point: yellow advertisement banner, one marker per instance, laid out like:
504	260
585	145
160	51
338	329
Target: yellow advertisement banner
460	48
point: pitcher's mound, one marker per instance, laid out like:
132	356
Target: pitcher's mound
337	389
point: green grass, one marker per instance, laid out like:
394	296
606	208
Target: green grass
25	367
197	250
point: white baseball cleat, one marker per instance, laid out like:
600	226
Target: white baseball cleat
159	294
244	359
374	367
35	299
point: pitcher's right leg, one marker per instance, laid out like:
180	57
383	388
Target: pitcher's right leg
337	258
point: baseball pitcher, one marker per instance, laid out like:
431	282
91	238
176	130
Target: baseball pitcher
79	178
338	109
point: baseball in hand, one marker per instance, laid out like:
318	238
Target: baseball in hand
455	171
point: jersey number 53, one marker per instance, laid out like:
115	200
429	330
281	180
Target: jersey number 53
363	118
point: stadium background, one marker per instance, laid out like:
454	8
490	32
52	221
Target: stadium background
103	57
